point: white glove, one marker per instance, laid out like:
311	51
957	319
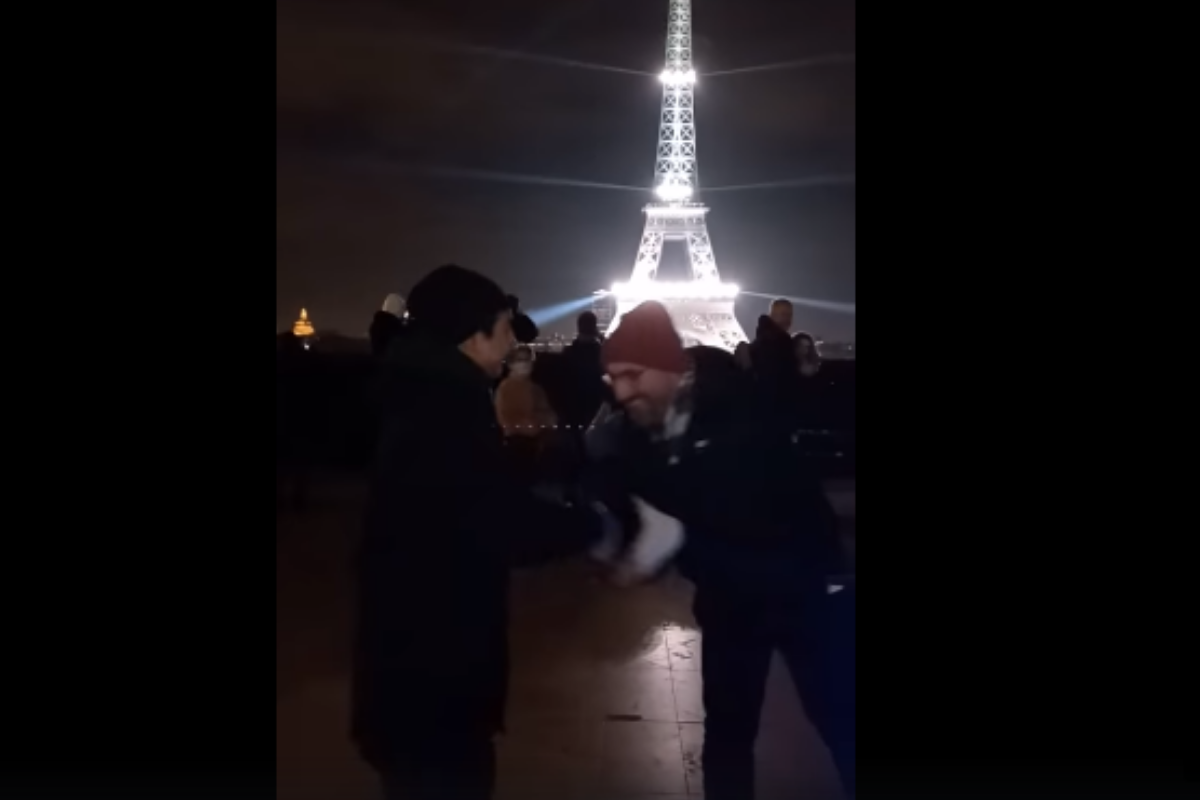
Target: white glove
608	547
659	538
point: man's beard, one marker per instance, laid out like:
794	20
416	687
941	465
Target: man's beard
645	413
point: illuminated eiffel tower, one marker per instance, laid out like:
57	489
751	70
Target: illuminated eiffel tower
702	308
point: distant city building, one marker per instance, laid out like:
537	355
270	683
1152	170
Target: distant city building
604	306
550	344
304	329
836	350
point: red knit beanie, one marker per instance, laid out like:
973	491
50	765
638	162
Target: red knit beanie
646	337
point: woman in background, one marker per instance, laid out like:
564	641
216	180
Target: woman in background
808	360
524	412
808	386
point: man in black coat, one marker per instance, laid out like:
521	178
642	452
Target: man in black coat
584	374
771	352
773	365
445	522
760	541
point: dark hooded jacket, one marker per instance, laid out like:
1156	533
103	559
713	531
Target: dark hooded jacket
384	328
714	362
771	355
773	365
755	515
585	388
445	521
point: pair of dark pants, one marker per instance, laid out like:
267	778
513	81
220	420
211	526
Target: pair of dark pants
463	771
813	630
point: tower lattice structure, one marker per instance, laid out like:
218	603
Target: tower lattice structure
701	308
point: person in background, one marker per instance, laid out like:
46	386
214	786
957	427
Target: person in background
781	313
808	360
445	520
525	330
524	412
741	356
774	366
387	324
583	391
808	387
585	373
760	542
771	352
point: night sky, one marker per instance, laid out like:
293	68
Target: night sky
384	110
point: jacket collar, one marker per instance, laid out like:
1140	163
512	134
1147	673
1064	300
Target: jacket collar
679	415
420	353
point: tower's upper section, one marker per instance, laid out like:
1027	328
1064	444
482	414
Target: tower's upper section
675	179
679	36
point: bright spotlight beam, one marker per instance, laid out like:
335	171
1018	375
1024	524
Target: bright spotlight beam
509	177
824	305
816	61
544	315
362	158
534	58
799	183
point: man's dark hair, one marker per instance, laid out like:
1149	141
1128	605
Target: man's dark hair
452	304
525	330
586	325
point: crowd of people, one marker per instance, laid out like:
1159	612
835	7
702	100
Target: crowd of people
675	457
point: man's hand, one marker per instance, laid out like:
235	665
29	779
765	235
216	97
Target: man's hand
607	549
659	538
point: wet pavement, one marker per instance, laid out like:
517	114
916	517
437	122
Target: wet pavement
604	701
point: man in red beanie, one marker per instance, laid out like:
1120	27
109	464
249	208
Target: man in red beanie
693	443
646	363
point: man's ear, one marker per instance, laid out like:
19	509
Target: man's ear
470	344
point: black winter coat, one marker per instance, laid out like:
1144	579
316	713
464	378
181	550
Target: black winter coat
773	364
445	521
586	390
755	516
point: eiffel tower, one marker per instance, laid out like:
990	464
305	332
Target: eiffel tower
702	308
